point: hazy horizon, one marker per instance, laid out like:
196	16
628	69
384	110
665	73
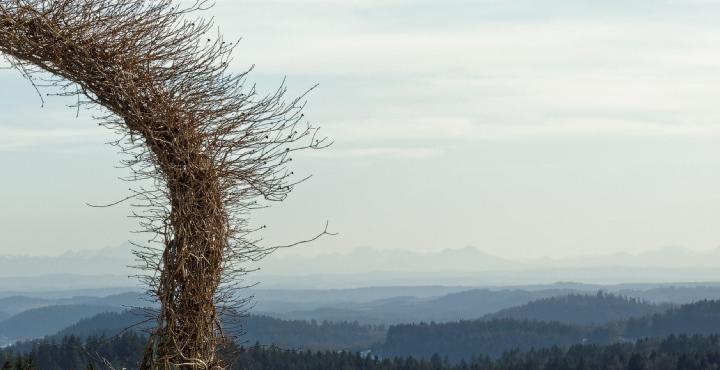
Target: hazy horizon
307	251
364	267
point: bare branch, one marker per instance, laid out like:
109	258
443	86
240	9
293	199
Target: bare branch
209	143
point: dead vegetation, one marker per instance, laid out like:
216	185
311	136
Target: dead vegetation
212	147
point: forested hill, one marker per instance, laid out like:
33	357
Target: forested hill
265	330
697	318
37	322
673	353
598	308
466	339
296	334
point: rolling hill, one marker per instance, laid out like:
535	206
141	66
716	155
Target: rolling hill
37	317
582	309
262	329
38	322
464	340
464	305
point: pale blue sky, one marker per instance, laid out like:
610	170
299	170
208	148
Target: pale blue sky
523	128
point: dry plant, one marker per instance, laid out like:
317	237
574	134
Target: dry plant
212	147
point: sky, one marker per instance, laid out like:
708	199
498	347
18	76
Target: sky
523	128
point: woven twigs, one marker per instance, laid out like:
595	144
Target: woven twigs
211	146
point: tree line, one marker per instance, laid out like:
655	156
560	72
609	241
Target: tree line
680	352
464	339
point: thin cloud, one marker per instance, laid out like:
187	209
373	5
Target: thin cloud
454	129
509	77
397	153
13	138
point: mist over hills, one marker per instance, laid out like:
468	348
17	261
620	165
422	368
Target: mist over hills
472	259
473	304
468	304
391	305
31	317
363	267
607	319
38	322
471	266
112	261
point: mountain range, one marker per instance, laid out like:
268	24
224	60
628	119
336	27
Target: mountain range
362	267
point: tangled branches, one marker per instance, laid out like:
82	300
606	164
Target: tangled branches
210	145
